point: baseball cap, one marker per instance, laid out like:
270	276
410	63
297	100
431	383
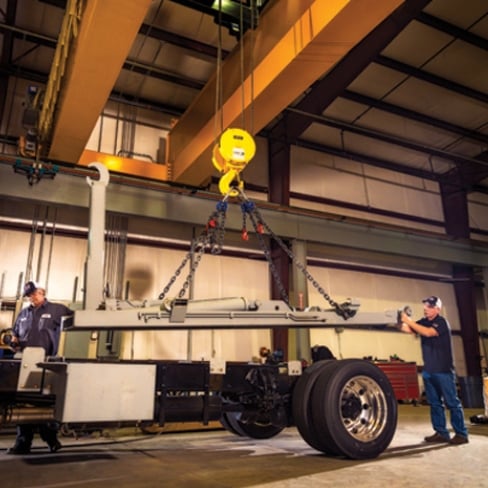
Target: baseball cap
433	301
31	287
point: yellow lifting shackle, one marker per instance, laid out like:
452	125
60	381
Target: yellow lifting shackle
234	151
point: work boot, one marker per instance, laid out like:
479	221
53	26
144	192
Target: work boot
18	448
55	446
458	440
436	438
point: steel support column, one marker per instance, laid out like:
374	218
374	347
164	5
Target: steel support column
300	294
485	287
464	289
279	192
456	215
282	264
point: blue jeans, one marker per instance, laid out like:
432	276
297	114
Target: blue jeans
441	392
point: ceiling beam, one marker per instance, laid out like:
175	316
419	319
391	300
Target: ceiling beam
295	44
367	159
106	33
161	74
183	42
389	138
412	115
27	35
453	30
431	78
326	90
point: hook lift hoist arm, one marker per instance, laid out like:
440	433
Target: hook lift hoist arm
235	151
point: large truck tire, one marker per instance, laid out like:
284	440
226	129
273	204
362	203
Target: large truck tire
301	405
353	409
258	429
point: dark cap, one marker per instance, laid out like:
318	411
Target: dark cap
31	287
433	301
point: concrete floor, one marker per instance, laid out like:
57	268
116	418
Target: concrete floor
217	459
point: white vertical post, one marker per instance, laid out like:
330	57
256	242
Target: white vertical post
93	287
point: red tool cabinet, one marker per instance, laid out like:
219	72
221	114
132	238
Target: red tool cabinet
403	378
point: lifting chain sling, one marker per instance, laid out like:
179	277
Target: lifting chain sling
212	238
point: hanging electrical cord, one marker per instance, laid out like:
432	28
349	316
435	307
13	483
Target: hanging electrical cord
41	245
51	245
219	117
241	53
249	126
235	147
129	120
32	242
251	61
115	253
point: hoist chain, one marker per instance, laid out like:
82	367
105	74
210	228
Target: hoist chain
217	237
257	219
213	236
201	244
257	224
193	268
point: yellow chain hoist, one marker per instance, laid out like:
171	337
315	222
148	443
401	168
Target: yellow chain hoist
234	151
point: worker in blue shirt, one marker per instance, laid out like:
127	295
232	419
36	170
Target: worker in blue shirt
38	325
438	371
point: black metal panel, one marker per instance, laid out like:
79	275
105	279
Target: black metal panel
9	374
191	376
192	409
183	393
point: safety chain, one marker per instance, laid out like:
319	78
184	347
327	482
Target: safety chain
213	236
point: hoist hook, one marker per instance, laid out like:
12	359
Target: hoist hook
230	157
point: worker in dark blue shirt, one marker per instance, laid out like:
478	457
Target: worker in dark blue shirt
438	372
38	325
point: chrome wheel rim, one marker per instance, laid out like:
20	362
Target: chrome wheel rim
364	409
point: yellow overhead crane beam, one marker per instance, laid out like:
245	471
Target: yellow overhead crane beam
295	44
106	33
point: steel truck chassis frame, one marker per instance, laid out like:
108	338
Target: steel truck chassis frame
340	407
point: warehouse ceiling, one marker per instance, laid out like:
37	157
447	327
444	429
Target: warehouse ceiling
410	95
